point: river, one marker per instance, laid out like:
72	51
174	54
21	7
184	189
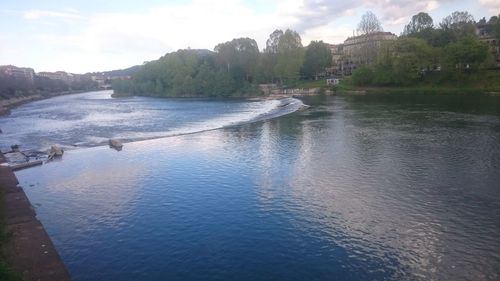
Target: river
355	188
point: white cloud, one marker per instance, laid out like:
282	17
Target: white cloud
123	39
100	41
329	34
68	14
314	13
492	5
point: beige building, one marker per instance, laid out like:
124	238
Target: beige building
360	50
19	72
355	51
58	75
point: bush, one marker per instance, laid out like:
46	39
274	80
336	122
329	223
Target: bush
362	76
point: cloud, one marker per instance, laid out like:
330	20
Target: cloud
199	24
492	5
118	39
67	14
315	13
121	39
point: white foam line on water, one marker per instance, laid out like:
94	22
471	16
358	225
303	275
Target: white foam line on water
256	111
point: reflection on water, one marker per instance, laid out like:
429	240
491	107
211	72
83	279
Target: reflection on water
353	189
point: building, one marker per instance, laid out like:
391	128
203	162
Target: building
355	51
332	81
336	68
485	33
18	72
102	80
363	49
58	75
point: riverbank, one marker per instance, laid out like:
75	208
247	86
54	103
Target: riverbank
486	82
7	104
27	251
446	90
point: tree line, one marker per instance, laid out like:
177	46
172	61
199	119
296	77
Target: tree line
234	68
427	53
12	86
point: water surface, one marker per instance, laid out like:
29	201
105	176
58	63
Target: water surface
355	188
90	119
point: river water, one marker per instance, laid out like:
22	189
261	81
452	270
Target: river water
354	188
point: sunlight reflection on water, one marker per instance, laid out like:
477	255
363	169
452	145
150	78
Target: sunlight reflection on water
331	192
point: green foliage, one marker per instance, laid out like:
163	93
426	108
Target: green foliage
455	27
273	41
465	55
457	20
290	57
240	56
192	73
496	26
420	23
231	70
428	55
265	67
404	62
317	57
282	59
122	87
362	76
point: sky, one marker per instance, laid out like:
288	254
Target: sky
94	35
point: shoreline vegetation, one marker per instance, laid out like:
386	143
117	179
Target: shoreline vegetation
446	58
451	57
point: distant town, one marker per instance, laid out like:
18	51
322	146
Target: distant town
26	75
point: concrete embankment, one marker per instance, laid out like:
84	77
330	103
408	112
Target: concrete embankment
29	250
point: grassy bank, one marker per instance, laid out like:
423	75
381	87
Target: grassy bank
487	82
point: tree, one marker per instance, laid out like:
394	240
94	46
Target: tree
456	26
273	41
404	61
367	44
495	21
290	55
265	67
316	58
457	20
268	59
198	72
465	55
362	76
239	55
419	23
369	24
